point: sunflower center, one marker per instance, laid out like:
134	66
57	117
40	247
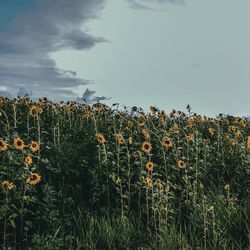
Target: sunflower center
19	143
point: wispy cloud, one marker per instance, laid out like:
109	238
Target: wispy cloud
151	4
27	44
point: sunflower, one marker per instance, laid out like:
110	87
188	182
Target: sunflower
100	138
18	143
211	131
40	110
190	123
243	123
189	137
140	123
33	111
129	123
120	138
146	134
33	179
232	142
226	187
181	164
130	140
146	147
237	133
210	209
34	146
3	145
248	141
150	166
8	185
28	159
149	182
166	142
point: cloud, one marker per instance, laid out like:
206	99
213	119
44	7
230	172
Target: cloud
33	35
89	98
150	4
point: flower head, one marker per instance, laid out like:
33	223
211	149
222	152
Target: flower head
3	145
33	179
100	138
150	166
28	159
18	143
146	147
166	142
181	164
34	146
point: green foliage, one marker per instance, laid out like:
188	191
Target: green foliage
86	185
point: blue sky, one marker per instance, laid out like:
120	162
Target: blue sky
10	9
158	52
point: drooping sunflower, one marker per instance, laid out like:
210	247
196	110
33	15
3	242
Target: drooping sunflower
100	138
150	166
34	146
181	164
146	134
226	187
33	111
166	142
8	185
18	143
146	147
28	159
149	181
3	145
120	138
33	179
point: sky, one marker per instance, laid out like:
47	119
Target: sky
165	53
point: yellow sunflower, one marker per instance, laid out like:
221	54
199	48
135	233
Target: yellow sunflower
226	187
146	147
18	143
166	142
140	123
100	138
146	134
28	159
34	146
3	145
150	166
181	164
149	182
211	131
120	138
130	140
189	137
33	179
248	141
8	185
33	111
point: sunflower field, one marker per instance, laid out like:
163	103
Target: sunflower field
97	177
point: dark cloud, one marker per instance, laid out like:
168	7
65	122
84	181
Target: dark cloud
89	98
50	27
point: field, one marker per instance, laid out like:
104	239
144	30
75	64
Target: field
97	177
